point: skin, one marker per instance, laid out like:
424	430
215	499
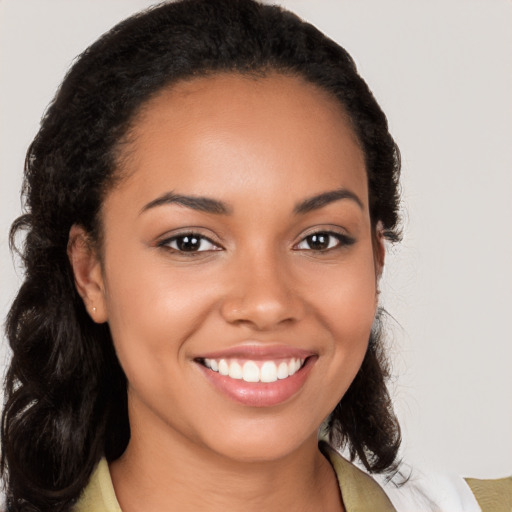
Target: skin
261	146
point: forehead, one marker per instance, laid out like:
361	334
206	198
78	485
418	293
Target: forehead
228	129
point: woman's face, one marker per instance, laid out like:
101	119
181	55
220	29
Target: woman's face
238	275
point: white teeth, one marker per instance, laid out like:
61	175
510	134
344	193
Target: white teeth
282	371
294	365
253	371
235	371
268	372
223	367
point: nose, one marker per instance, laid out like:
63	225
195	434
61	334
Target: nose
262	294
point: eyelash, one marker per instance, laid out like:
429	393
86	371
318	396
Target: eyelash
192	238
341	240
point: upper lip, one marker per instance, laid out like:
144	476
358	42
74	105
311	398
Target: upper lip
256	352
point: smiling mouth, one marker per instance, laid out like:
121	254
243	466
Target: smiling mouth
254	370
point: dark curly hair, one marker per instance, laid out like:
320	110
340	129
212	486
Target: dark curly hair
66	403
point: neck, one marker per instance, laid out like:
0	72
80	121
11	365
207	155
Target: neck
177	474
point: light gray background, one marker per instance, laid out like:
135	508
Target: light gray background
442	71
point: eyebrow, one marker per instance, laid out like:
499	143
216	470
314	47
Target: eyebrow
208	205
202	204
321	200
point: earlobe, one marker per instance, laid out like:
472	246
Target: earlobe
86	267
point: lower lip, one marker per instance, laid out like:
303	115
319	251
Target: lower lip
260	394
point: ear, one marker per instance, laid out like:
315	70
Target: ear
86	267
379	250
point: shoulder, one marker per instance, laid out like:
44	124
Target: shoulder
359	491
492	495
422	491
99	495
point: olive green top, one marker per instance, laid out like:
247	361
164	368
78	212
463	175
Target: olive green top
360	492
492	495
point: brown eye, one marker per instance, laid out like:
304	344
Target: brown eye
324	241
189	242
319	241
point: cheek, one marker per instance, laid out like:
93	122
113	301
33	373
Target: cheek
151	312
151	317
346	297
346	304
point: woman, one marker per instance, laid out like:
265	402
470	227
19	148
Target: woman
208	199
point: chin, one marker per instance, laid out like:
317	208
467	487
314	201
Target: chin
262	442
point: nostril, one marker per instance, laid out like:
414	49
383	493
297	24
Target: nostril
261	316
